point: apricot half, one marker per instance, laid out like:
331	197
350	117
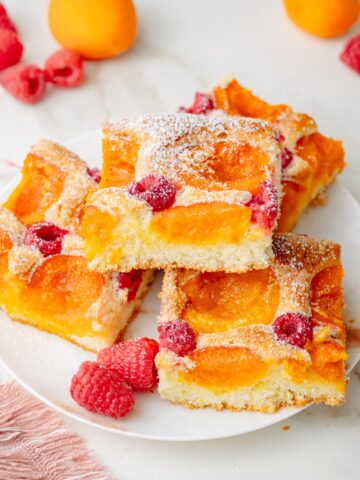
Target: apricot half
225	368
221	301
97	229
202	223
41	185
326	296
64	285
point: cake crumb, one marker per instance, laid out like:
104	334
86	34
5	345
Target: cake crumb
286	427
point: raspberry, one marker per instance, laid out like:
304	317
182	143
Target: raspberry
202	104
351	53
158	192
25	82
65	69
94	173
10	48
46	237
177	336
131	281
101	390
265	205
133	361
286	158
5	21
294	328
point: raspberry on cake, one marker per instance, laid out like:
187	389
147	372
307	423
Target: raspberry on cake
197	192
45	280
310	161
257	340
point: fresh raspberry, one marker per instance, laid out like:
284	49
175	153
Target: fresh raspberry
46	237
94	173
158	192
10	48
294	328
177	336
101	390
5	21
265	205
25	82
202	104
131	281
65	69
351	53
133	361
286	158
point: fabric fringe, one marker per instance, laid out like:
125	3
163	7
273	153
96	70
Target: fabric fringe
35	443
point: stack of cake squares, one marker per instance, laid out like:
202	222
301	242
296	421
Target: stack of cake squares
251	316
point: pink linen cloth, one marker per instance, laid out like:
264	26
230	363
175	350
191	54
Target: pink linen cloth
35	444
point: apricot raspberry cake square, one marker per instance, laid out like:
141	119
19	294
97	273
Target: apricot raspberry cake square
310	161
257	340
198	192
45	280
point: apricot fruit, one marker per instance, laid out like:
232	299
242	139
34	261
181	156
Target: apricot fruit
95	29
202	223
64	284
41	185
97	228
323	18
326	296
225	368
221	301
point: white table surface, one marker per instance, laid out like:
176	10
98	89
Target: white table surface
185	45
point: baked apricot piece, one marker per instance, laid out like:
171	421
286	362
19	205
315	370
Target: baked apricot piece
324	155
225	368
326	296
291	205
327	359
238	166
237	100
202	223
5	242
220	302
119	158
41	185
64	285
97	227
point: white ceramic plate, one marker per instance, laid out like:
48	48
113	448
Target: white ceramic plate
44	364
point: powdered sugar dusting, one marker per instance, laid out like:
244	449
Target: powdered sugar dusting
179	145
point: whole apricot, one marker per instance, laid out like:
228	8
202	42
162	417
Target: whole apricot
323	18
95	29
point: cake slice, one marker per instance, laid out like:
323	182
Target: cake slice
258	340
204	194
310	161
45	280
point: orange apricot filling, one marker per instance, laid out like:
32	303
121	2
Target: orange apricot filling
202	223
291	205
97	228
224	368
328	361
326	296
234	165
119	158
41	185
219	301
237	100
64	285
57	297
5	241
